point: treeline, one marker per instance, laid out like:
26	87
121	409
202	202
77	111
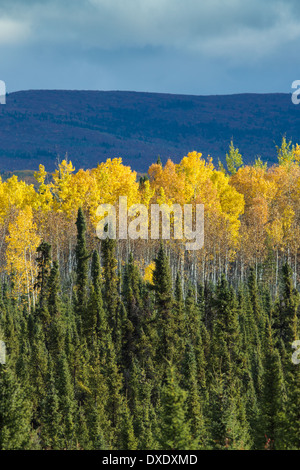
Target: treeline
127	363
252	217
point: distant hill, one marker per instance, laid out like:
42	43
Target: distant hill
91	126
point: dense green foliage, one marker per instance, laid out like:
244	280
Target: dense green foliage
125	364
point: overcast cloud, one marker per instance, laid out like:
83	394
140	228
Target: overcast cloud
190	46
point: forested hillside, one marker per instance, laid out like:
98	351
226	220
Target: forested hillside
140	344
41	126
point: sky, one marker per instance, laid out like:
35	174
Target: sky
194	47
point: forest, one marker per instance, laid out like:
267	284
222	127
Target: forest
140	344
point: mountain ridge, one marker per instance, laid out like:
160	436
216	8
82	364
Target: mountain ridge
41	126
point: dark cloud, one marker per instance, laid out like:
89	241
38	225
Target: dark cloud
152	45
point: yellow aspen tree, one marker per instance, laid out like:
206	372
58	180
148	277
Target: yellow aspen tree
285	152
231	201
44	197
146	193
15	194
22	242
148	272
113	179
296	153
62	189
83	190
197	174
168	178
